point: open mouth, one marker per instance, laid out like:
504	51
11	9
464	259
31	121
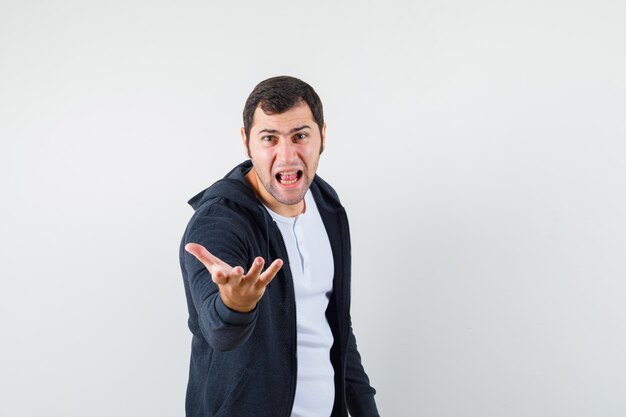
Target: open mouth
289	177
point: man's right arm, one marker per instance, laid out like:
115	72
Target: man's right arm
224	297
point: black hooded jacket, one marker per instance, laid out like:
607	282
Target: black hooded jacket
244	364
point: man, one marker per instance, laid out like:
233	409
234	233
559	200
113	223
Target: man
273	342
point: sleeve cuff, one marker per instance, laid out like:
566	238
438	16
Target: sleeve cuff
364	405
234	317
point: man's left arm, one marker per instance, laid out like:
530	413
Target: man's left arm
359	392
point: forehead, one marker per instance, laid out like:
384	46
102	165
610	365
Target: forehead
298	115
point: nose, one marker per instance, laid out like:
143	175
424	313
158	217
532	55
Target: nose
286	152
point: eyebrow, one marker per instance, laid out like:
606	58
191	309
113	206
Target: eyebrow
294	130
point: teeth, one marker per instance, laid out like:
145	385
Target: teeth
288	177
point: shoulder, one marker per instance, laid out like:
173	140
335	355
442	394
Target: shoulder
219	216
224	230
325	194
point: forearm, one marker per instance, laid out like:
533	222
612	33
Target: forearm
223	328
359	392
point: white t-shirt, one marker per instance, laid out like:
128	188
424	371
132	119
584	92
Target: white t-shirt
312	268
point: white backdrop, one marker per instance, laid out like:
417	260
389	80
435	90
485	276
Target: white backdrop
477	145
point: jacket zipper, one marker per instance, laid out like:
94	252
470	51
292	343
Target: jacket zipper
294	340
345	328
294	333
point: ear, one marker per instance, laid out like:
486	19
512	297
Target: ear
323	138
244	142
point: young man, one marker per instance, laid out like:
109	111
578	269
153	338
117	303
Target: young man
275	341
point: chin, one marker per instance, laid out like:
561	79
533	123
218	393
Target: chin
294	196
290	201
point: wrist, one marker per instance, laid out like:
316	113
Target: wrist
234	317
237	307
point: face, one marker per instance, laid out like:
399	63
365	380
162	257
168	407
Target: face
285	150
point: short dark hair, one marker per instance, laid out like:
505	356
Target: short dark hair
277	95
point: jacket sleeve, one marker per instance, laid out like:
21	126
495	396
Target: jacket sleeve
224	329
359	392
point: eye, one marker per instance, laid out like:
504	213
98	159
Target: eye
301	136
267	138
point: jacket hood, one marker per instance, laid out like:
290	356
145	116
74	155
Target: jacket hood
234	187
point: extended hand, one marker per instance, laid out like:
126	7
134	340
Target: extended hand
240	292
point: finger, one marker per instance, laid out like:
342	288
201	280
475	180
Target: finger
236	275
269	274
202	254
210	261
219	277
218	269
256	268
